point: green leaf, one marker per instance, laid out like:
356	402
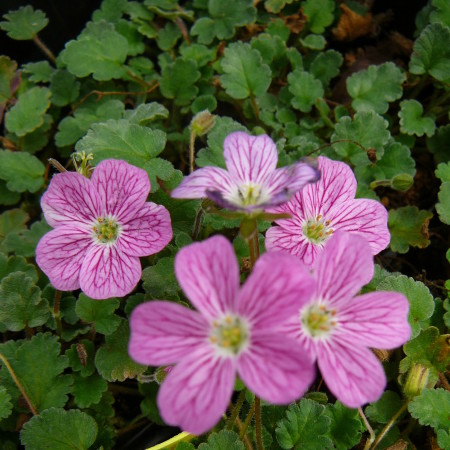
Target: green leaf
367	129
385	408
24	23
99	50
421	305
88	390
441	12
411	120
431	408
28	113
16	264
319	14
121	139
245	75
314	42
431	53
372	89
99	313
6	196
272	48
443	206
325	66
21	171
146	113
408	227
130	32
64	87
178	81
38	71
159	280
203	102
158	168
81	357
168	36
305	88
305	427
345	428
110	10
112	360
12	221
275	6
6	406
8	70
223	19
224	439
59	429
438	144
36	139
21	304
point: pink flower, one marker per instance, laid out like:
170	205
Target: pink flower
101	227
252	181
234	331
324	207
337	329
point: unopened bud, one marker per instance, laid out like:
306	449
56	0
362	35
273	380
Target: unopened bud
161	373
402	182
82	164
416	380
202	122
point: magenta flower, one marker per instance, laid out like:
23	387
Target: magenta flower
101	227
338	329
234	331
252	181
324	207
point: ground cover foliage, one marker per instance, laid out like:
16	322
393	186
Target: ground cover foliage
321	77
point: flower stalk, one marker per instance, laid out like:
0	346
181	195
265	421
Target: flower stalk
237	407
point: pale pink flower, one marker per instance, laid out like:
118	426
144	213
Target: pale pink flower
234	330
338	329
252	181
324	207
101	228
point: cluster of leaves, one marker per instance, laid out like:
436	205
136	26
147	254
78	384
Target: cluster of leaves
64	367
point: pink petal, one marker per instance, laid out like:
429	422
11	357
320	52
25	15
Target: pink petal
196	393
60	254
208	273
164	333
275	368
343	268
107	272
208	178
378	319
147	233
249	158
352	373
122	187
278	287
69	200
367	218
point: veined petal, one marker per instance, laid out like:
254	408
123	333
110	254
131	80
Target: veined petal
60	254
249	158
123	188
275	368
377	319
70	199
365	217
208	273
196	392
107	272
278	287
202	180
164	333
343	268
353	374
148	232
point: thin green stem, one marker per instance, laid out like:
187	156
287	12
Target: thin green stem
369	429
236	409
389	425
254	105
18	384
253	246
247	422
258	426
56	312
192	151
45	49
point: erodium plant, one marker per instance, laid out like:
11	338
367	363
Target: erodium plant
226	216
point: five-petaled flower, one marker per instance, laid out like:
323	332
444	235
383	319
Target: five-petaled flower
101	228
235	330
337	329
324	207
252	181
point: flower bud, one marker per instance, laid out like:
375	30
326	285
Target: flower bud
161	373
402	182
416	380
202	122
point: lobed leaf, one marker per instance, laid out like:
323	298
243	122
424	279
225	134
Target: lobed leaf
305	88
411	120
431	408
24	23
319	14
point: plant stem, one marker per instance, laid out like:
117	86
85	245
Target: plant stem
57	165
248	419
389	425
369	429
18	384
245	438
258	426
45	49
253	246
254	105
236	409
444	382
191	151
56	312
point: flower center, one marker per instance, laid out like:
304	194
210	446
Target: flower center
106	230
249	194
317	230
230	334
317	320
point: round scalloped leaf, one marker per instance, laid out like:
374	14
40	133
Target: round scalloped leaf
8	69
64	87
443	206
59	429
305	88
224	439
431	53
314	42
28	113
346	427
24	23
88	391
432	408
441	14
411	120
5	403
438	144
99	50
38	72
384	408
319	14
245	75
16	264
325	66
372	89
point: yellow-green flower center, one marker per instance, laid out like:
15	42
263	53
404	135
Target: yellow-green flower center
106	230
317	230
230	334
317	320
